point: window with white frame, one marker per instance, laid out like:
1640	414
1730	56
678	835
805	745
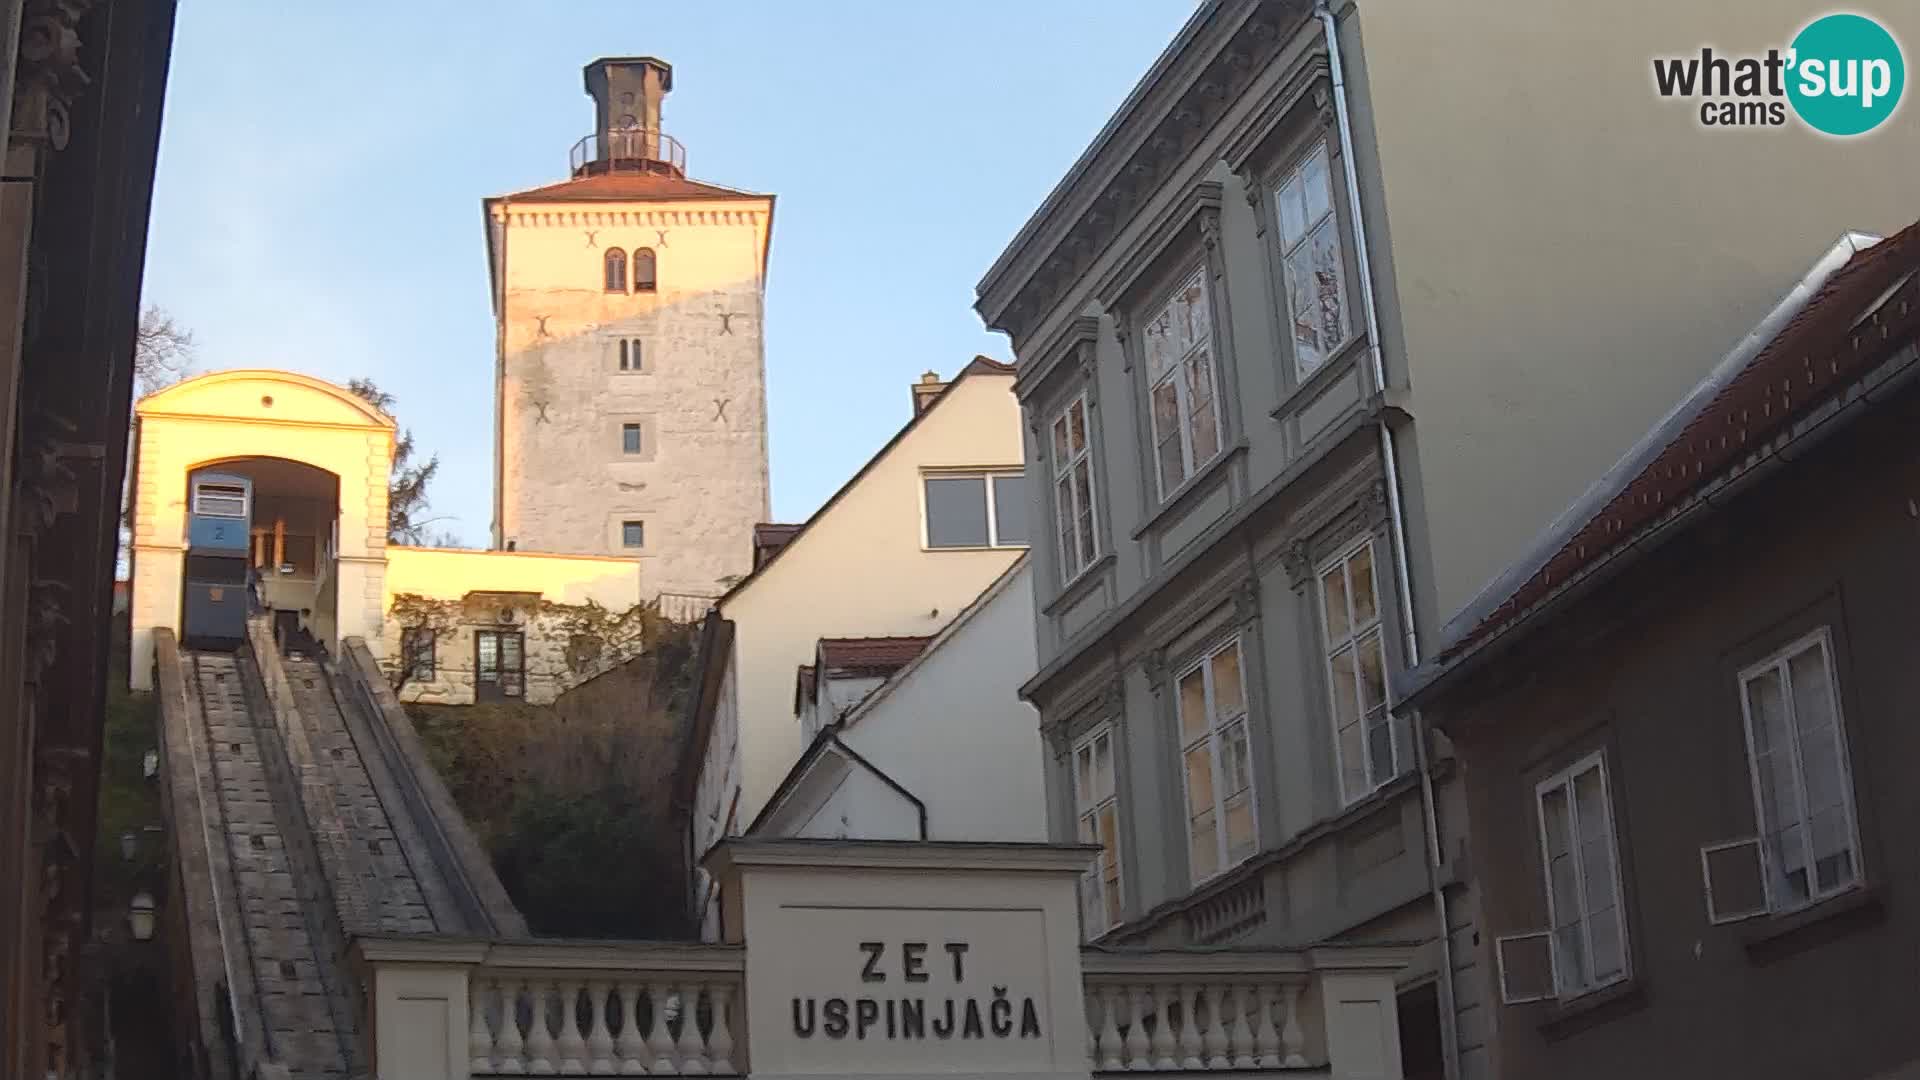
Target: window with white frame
1802	784
1369	742
1073	489
1216	762
1181	376
975	510
1580	862
1096	805
1312	261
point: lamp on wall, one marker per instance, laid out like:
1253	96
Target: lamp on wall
129	845
140	916
150	765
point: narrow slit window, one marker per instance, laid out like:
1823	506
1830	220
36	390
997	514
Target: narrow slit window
631	354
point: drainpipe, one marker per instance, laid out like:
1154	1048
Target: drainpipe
1410	638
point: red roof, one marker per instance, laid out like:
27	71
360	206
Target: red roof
1857	317
871	653
626	186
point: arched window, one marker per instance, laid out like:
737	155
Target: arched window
617	270
642	270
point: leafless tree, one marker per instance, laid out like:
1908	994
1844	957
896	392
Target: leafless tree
162	351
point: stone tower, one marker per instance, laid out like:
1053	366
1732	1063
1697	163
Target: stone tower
630	397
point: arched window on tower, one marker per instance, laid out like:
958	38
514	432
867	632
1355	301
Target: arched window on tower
616	270
643	270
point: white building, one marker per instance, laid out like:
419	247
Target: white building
913	538
944	749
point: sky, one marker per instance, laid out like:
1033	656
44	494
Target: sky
317	203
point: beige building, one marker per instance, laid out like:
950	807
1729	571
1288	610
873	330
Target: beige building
1339	310
450	627
629	303
898	552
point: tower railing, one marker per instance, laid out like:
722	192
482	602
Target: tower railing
628	148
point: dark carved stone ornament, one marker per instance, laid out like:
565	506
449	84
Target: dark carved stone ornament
1154	666
1113	698
1374	503
49	76
1246	601
1210	228
1297	560
1323	109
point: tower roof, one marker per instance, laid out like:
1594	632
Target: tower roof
627	187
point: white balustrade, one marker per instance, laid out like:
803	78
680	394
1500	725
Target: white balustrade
606	1019
1146	1014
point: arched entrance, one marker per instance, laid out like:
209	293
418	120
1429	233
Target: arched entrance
319	457
293	543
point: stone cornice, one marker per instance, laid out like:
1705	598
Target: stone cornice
1197	210
1075	344
523	217
1193	86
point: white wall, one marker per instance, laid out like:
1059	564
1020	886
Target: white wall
860	569
953	730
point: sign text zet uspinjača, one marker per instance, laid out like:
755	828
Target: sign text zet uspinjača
961	1013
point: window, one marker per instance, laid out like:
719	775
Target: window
1312	262
629	438
643	270
1581	866
1073	489
1369	743
1180	377
630	354
416	653
500	668
1097	806
616	270
979	510
1802	786
633	534
220	500
1217	763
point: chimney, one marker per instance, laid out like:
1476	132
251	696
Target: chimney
925	391
627	92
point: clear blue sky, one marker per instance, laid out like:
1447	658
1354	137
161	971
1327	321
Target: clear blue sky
322	165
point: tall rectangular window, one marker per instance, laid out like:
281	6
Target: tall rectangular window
1369	742
1096	803
633	534
629	438
1180	377
1217	762
1580	860
1073	489
1802	782
1312	262
416	653
976	510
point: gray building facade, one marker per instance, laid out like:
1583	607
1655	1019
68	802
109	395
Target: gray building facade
1313	340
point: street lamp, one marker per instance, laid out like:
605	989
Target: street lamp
140	916
129	845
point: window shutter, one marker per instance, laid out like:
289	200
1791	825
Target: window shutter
1526	966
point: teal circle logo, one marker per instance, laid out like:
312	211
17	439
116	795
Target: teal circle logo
1846	74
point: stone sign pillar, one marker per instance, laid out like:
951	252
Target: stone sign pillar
898	959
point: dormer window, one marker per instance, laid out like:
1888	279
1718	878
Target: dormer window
616	269
643	270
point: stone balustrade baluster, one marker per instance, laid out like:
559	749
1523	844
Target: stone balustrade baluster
1266	1040
632	1046
600	1060
507	1045
1190	1043
659	1040
1293	1041
570	1046
690	1047
540	1056
1218	1056
720	1044
1110	1048
479	1032
1138	1048
1163	999
1242	1033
